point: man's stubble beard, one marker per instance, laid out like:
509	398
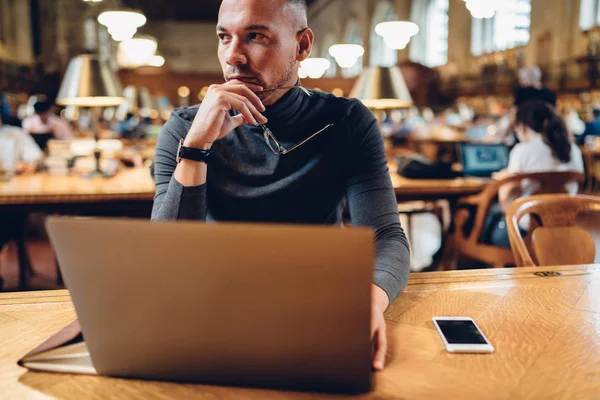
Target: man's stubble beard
283	80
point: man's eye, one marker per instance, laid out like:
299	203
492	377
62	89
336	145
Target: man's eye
223	37
256	36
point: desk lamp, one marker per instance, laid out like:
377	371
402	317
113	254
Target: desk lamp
90	82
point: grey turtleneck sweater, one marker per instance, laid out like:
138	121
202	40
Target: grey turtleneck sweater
247	182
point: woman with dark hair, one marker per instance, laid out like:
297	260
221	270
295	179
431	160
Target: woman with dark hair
544	147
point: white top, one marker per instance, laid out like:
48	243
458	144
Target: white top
55	124
536	156
17	145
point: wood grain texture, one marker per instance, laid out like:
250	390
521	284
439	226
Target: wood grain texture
546	330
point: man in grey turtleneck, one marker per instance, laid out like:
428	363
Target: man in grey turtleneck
323	149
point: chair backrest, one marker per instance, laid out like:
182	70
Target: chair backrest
468	231
555	240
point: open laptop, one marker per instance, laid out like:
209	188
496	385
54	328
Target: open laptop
483	159
241	304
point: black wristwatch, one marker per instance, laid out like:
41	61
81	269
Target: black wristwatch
190	153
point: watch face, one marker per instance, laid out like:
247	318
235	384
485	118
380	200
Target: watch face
178	159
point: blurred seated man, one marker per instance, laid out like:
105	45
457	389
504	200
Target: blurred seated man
45	125
591	128
19	149
18	154
531	89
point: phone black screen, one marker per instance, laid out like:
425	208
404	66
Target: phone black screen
461	332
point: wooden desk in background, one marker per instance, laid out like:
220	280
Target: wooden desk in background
429	189
50	193
546	331
129	193
45	192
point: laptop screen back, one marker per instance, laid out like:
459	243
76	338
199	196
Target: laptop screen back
483	159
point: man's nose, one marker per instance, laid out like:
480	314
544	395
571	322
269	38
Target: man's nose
236	53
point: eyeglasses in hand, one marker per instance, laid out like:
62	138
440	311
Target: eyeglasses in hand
272	142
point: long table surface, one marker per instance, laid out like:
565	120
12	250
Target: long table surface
544	323
128	184
137	184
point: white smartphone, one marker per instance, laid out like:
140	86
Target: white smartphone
462	335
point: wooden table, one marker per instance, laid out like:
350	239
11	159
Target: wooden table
43	189
129	193
546	331
429	189
47	192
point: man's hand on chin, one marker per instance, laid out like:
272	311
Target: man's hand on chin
379	303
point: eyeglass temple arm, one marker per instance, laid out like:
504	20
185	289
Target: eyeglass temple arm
284	150
286	87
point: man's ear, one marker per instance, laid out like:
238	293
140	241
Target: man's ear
306	38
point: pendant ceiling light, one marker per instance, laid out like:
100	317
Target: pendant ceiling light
397	34
122	24
156	61
313	68
346	55
136	52
482	8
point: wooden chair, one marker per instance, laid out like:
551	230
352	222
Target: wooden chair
555	239
471	213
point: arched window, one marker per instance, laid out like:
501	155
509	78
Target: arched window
430	46
329	41
589	14
352	35
507	29
380	54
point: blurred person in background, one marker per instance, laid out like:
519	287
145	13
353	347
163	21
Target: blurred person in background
128	128
18	154
591	128
45	125
544	146
531	88
575	125
19	146
7	114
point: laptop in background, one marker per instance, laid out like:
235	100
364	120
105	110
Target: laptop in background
483	159
239	304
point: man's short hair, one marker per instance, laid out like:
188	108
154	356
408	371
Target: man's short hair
531	74
299	3
42	107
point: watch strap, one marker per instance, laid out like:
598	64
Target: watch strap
191	153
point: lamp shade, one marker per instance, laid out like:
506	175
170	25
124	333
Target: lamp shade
382	88
89	82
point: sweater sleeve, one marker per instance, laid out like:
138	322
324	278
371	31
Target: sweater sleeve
173	201
372	201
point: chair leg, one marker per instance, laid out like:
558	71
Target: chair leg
25	268
449	259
